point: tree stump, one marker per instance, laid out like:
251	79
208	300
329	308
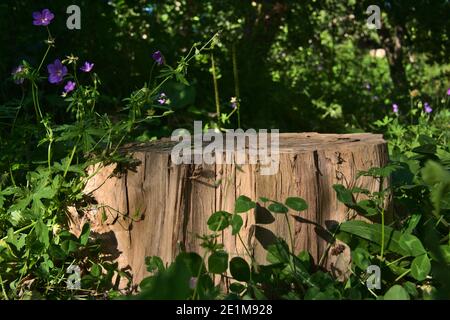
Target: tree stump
157	207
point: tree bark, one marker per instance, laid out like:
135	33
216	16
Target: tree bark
158	207
392	43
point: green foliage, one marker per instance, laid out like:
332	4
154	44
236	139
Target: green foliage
408	241
314	61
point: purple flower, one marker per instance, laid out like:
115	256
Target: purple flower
162	98
16	74
427	108
56	71
193	282
70	86
43	18
233	102
448	91
87	67
395	108
158	57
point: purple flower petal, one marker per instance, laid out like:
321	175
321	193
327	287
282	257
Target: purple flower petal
158	57
87	67
162	98
395	108
56	71
70	86
16	74
43	18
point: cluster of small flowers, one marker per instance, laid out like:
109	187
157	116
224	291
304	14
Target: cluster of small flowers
56	70
426	106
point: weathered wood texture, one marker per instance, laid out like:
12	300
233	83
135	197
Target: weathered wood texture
157	206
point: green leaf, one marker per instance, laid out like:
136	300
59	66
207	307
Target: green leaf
385	171
396	292
41	231
343	194
239	269
394	241
85	232
361	258
410	288
96	270
412	223
194	262
420	267
219	220
445	251
243	204
277	207
69	246
218	262
171	284
367	207
297	204
264	199
237	287
236	224
411	244
438	178
278	252
154	263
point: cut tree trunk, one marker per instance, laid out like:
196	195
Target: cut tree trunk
157	207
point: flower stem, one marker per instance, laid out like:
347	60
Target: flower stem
382	233
3	288
216	88
70	159
236	84
43	59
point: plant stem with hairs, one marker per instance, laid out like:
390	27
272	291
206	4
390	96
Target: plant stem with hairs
216	88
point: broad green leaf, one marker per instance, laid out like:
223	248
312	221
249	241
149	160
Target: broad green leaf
171	284
361	258
239	269
243	204
297	204
367	207
445	251
403	244
343	194
236	224
278	252
277	207
154	263
41	231
438	179
237	287
396	292
218	262
420	267
205	287
410	288
69	246
411	244
85	232
385	171
219	220
412	223
96	270
194	262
